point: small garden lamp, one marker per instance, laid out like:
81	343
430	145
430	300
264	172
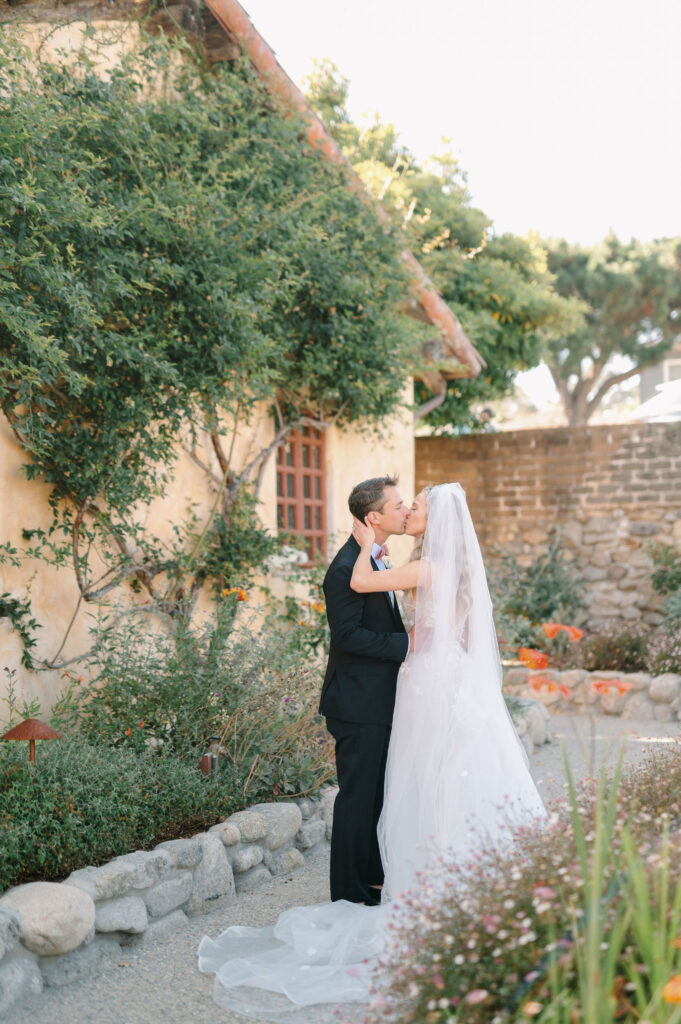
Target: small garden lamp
31	729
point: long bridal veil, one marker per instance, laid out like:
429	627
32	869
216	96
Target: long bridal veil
457	779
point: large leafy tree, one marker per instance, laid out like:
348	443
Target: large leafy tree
171	260
498	285
632	296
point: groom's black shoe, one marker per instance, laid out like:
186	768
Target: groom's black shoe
374	895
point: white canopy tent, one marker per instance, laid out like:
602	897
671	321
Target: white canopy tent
664	407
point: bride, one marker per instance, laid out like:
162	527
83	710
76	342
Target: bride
457	777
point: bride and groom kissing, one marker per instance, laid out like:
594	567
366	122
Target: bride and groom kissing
428	760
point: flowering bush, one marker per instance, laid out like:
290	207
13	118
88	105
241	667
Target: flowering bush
664	654
302	611
580	922
252	696
548	590
619	649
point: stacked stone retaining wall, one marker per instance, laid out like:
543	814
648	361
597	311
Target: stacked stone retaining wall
636	695
608	493
54	933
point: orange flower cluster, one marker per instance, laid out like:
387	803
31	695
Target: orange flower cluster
552	629
671	993
241	594
544	683
606	685
531	658
540	683
314	606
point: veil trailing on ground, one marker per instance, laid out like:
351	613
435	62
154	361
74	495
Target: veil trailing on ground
457	779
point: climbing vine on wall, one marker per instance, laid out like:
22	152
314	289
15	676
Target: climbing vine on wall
172	256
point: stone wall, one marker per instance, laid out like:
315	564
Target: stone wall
605	491
635	695
52	933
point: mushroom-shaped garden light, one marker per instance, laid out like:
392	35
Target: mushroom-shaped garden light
31	729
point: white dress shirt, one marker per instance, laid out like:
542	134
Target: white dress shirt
381	565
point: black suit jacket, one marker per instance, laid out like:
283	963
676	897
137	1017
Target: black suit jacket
368	644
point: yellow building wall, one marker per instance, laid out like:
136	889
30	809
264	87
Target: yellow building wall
352	455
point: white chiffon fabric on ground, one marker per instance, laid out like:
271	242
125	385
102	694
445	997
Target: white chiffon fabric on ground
300	970
457	781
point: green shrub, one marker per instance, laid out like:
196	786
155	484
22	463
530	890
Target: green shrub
666	579
83	804
251	695
547	590
664	654
672	612
173	690
302	611
619	649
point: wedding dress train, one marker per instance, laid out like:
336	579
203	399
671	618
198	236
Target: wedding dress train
457	781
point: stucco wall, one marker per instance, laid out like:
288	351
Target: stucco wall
351	455
608	492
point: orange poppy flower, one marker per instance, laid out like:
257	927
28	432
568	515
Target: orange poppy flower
574	633
606	685
532	658
671	993
128	732
552	629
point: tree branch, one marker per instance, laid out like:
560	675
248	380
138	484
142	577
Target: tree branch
145	573
608	383
261	458
191	452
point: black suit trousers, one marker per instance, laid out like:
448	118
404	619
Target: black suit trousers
361	753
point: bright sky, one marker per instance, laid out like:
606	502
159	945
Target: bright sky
565	115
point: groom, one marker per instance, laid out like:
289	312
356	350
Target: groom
368	644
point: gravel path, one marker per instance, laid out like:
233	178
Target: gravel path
160	984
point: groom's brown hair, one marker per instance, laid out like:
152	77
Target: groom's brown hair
369	496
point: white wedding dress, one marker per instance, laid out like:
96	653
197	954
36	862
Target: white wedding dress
457	781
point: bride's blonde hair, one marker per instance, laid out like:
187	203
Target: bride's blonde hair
465	591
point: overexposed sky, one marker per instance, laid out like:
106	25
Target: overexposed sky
565	115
